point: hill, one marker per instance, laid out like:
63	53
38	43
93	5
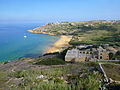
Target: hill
88	32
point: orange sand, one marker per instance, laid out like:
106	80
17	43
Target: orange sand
61	43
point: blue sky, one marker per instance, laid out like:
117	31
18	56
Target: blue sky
59	10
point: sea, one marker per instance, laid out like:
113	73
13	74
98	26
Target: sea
16	43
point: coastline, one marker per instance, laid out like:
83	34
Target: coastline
31	31
58	45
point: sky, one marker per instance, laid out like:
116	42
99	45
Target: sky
59	10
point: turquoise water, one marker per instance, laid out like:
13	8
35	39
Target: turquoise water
14	45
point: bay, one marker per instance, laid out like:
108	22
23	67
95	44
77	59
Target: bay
16	43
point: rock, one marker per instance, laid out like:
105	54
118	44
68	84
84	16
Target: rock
39	77
45	80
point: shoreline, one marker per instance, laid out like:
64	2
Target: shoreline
59	44
31	31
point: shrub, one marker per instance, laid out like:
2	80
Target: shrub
18	74
3	79
106	27
58	80
51	86
113	86
93	64
6	62
50	61
111	56
89	82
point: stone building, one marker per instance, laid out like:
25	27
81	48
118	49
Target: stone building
76	55
72	55
101	53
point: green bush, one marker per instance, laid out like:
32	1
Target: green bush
58	80
3	78
19	74
106	27
93	64
68	77
50	61
51	86
88	82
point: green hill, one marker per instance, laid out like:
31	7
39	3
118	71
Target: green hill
88	32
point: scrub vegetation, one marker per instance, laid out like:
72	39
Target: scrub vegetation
67	77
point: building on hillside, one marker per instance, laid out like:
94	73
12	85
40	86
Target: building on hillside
72	55
85	55
76	55
101	53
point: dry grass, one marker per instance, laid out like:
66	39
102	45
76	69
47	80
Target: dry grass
112	71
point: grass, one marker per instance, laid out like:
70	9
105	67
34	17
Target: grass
90	37
108	62
68	77
72	76
112	71
3	79
49	61
98	34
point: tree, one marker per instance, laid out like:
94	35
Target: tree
117	55
111	55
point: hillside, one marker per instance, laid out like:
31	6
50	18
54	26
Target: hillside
88	32
68	28
47	74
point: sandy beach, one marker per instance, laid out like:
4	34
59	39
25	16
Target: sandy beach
58	45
